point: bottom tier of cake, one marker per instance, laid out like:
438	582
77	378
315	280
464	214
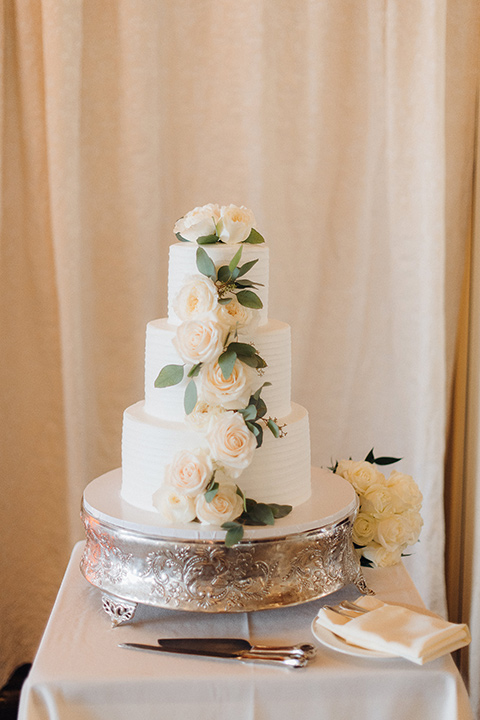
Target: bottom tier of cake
134	560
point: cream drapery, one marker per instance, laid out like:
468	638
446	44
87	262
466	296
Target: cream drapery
346	126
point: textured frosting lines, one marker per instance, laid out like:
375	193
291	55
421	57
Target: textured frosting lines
279	471
272	342
182	267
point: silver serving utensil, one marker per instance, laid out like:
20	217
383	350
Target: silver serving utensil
293	661
239	645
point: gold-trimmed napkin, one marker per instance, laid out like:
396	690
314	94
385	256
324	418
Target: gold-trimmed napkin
412	634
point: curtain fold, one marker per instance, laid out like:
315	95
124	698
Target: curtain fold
347	128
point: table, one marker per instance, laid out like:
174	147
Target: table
80	672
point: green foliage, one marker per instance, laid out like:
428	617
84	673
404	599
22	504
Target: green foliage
205	264
254	238
169	375
190	397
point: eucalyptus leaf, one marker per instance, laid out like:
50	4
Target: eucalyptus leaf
224	274
179	237
190	397
227	362
254	238
254	361
207	239
280	511
262	514
261	408
249	299
235	260
242	348
224	301
211	492
254	428
234	533
386	460
246	267
273	427
169	375
249	413
370	457
194	370
256	394
205	264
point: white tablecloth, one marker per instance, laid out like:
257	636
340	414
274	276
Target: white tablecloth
80	672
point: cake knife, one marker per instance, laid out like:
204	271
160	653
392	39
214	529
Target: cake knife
209	650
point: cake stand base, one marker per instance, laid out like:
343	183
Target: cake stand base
134	563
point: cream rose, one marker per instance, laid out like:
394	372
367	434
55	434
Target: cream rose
235	224
197	299
199	341
225	506
406	490
414	524
203	415
361	474
377	500
236	315
364	528
381	557
174	506
393	531
231	443
199	222
230	394
189	472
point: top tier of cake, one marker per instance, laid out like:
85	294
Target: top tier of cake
182	265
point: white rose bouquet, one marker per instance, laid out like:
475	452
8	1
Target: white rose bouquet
389	519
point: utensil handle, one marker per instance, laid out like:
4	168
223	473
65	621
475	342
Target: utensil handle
294	661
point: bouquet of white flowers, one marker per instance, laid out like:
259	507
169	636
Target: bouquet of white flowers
389	517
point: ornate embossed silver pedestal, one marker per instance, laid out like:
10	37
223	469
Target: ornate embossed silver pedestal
133	560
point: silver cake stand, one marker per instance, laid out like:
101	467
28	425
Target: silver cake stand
133	560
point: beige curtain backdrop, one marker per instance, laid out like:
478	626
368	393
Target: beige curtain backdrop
347	126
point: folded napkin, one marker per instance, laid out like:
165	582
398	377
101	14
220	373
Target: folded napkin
411	634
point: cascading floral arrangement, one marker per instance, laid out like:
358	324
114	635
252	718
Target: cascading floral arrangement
222	399
389	519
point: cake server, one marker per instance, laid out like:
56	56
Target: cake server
293	661
238	645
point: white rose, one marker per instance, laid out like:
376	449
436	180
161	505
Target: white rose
364	528
381	557
203	415
406	490
377	500
231	443
392	532
235	224
236	315
361	474
232	393
225	506
189	472
174	506
199	341
199	222
197	299
414	524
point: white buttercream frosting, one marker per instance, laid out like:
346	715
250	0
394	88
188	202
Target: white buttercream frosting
279	472
272	342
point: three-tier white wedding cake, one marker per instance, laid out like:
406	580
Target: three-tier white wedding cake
217	437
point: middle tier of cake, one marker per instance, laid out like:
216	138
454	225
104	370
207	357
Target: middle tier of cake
280	471
272	342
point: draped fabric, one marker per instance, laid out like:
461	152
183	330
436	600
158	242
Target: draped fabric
347	127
